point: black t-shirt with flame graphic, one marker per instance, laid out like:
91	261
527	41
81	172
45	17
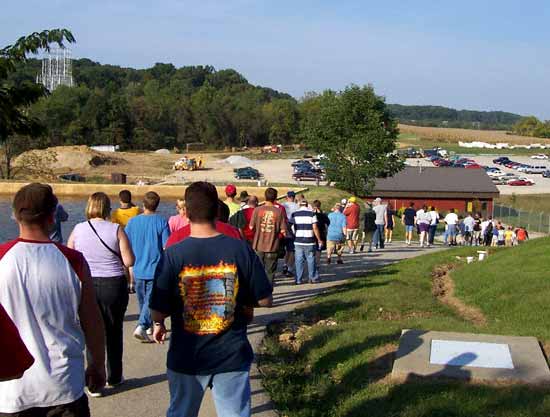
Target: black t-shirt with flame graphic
206	286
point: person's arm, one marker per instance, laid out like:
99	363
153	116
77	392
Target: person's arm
253	219
316	233
70	242
385	217
15	357
165	234
162	296
62	215
94	333
403	219
126	251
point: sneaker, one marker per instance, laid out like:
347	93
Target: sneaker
115	384
150	331
339	262
361	248
285	270
141	335
389	241
93	394
328	261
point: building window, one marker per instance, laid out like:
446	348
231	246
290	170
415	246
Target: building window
484	206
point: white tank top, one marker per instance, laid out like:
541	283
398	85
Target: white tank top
40	288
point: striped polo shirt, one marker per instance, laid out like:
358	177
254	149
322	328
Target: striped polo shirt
303	220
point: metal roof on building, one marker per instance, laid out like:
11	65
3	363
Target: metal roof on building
434	181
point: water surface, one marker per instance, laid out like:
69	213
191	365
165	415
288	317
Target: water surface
74	206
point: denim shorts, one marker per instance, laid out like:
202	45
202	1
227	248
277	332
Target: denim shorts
409	228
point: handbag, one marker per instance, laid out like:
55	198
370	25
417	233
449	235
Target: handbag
103	242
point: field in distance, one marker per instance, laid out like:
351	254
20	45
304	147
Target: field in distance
450	135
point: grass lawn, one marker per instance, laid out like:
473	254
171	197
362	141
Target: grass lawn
342	370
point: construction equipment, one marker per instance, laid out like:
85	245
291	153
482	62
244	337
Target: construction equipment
186	164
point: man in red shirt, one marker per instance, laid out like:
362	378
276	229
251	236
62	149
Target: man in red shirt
16	359
221	226
248	233
352	213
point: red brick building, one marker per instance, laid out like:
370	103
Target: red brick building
465	190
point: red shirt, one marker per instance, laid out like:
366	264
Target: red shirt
15	358
352	216
185	232
247	231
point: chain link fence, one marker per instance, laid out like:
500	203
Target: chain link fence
530	220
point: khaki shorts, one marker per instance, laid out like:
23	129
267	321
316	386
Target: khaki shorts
335	246
352	234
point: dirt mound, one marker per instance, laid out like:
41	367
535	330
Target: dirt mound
68	158
443	288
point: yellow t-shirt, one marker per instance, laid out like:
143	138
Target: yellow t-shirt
123	215
233	207
508	234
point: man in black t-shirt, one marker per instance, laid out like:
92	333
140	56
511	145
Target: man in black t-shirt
408	219
208	284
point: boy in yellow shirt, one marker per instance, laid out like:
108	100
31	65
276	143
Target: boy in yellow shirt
127	209
509	236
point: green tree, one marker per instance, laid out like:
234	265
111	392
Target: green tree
357	135
14	99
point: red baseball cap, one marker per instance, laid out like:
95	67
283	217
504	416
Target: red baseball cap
230	190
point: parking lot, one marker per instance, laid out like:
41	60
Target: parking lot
541	186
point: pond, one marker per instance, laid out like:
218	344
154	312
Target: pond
74	206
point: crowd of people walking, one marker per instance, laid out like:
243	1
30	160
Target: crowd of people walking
207	268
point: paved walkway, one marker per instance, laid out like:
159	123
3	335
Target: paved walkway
145	393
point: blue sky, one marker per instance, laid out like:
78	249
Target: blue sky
484	54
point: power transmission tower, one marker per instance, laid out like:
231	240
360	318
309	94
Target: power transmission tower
57	69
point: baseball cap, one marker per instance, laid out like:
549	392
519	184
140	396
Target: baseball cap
352	199
230	189
291	194
377	199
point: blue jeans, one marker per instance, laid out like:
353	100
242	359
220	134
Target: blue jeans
143	292
303	254
431	233
230	391
378	238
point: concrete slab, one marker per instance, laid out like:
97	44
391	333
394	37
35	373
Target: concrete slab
414	358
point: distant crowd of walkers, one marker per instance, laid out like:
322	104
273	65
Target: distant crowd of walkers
207	268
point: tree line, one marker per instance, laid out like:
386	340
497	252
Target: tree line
531	126
438	116
160	107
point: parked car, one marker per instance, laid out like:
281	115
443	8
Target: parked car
501	160
247	174
441	162
516	183
472	165
546	174
535	170
539	156
301	162
308	176
72	177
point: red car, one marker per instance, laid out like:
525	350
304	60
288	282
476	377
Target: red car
472	166
516	183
